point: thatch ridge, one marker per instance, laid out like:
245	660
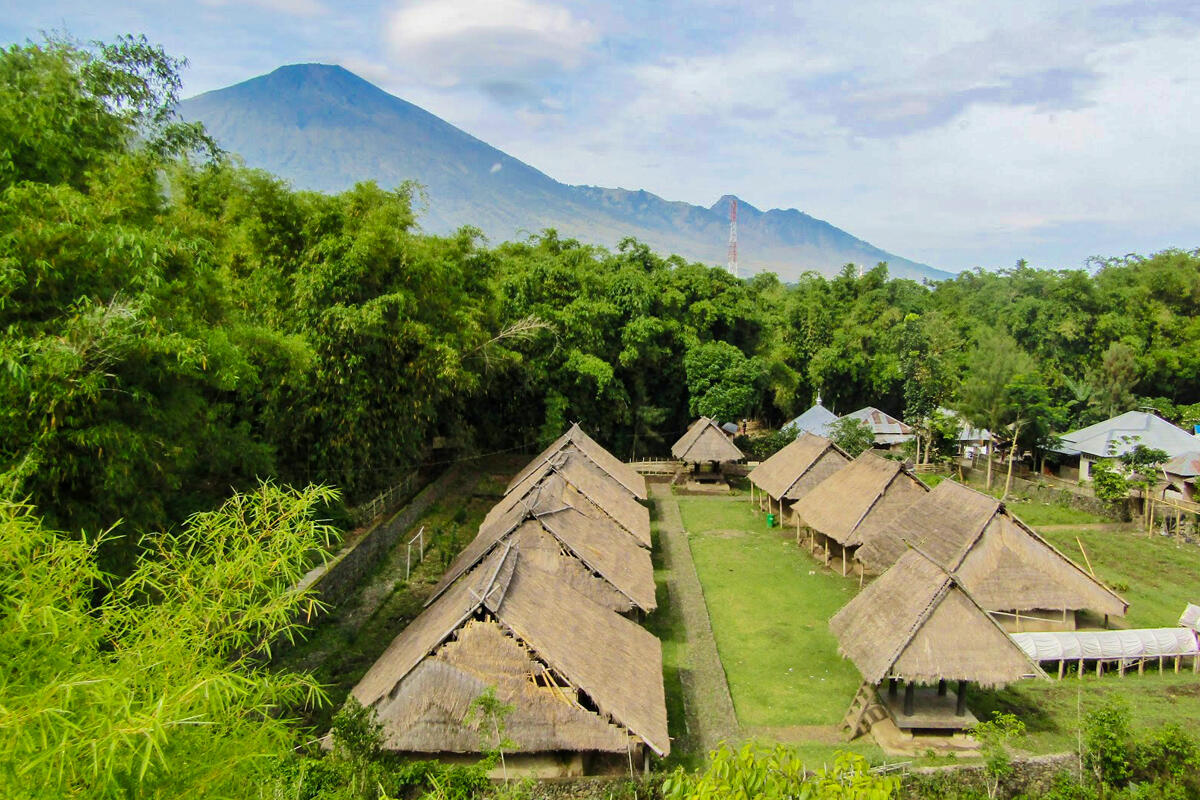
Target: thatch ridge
621	472
917	622
614	661
705	441
843	501
601	490
1003	561
596	541
779	473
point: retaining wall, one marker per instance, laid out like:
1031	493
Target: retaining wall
337	579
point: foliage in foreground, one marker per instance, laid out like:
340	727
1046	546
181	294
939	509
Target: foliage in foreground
775	774
156	689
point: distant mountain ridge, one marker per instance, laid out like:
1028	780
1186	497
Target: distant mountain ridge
324	128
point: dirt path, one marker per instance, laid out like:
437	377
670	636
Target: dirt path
709	708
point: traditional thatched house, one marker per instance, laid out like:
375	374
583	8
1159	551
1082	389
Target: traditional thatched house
705	442
917	624
585	684
583	479
563	536
1015	574
889	431
796	469
854	502
576	439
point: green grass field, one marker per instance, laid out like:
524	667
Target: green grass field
770	602
1158	576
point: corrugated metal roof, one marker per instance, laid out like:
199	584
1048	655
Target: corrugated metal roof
1108	438
816	420
1185	465
888	429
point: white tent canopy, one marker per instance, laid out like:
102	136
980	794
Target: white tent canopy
1191	617
1092	645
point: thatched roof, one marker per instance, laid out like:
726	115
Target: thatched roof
859	498
799	467
917	622
1001	561
565	536
546	648
705	441
624	474
583	476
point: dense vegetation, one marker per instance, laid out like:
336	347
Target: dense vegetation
174	327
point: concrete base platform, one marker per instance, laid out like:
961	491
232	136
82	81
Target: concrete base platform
895	742
931	711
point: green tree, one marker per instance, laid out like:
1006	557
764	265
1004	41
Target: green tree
853	435
984	399
722	382
159	688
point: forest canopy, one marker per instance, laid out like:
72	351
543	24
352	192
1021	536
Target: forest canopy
176	326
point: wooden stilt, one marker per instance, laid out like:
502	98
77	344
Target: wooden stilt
1061	666
1080	672
942	688
1121	668
910	692
861	574
891	687
1196	663
1099	668
843	561
960	708
1176	665
1141	666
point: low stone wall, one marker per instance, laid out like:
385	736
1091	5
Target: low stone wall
1031	777
336	580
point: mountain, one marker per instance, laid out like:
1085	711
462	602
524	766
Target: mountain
324	128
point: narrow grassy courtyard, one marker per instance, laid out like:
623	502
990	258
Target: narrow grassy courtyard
770	601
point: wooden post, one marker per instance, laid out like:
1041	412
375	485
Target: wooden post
1099	668
862	570
910	692
1176	665
1196	663
1080	673
891	687
1121	667
1141	666
961	707
1061	666
843	561
942	688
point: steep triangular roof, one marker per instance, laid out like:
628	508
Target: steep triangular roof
582	475
705	441
863	494
614	662
1005	564
602	549
887	429
624	474
779	474
1107	438
917	622
815	420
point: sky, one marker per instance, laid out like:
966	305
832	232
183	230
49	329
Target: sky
958	133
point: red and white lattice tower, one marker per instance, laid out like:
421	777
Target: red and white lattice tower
733	265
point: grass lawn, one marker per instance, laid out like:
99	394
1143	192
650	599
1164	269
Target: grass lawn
1157	576
770	603
1036	512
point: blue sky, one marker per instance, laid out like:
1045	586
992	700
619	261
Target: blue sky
953	132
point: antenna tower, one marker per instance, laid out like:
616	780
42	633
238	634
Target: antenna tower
733	265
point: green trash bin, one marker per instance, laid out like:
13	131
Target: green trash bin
770	520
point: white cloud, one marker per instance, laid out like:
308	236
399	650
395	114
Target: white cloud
451	42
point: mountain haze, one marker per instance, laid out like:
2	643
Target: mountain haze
324	128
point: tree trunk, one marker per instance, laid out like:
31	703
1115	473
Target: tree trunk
991	446
1012	451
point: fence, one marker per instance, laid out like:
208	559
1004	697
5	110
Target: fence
656	466
362	514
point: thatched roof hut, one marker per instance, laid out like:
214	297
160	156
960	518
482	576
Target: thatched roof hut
704	441
799	467
584	479
859	498
579	677
624	474
566	537
916	622
1001	560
